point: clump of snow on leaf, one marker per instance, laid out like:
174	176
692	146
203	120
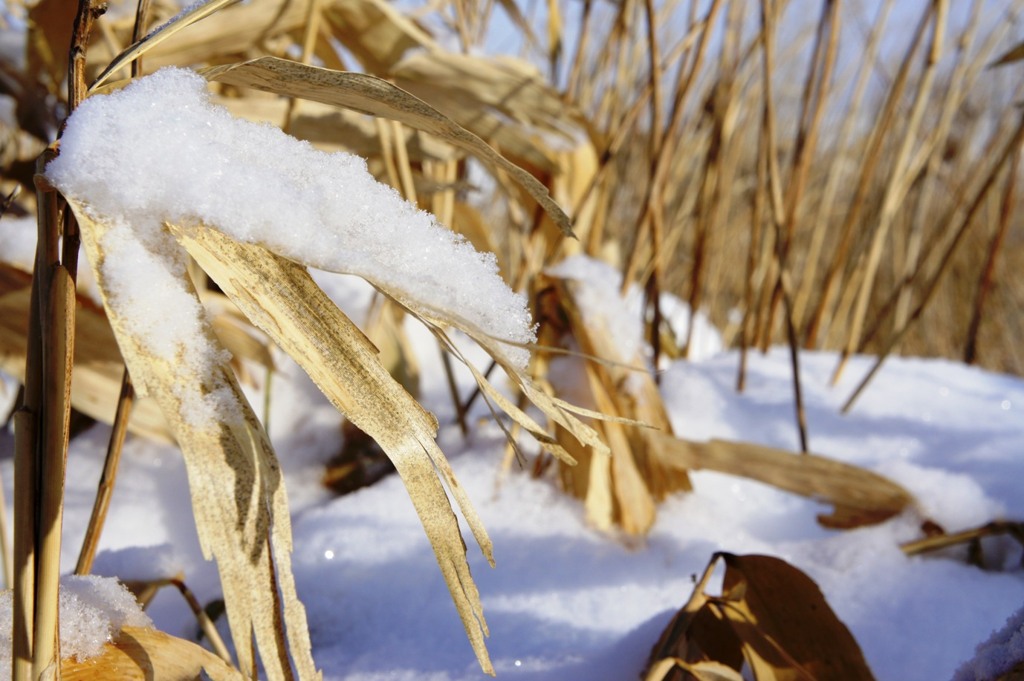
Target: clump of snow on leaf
604	310
92	612
160	151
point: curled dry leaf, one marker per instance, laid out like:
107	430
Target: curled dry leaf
190	15
374	31
771	616
501	99
141	654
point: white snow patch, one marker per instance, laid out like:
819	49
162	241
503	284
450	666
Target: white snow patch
159	150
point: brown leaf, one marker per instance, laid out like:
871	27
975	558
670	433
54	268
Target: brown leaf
771	615
782	618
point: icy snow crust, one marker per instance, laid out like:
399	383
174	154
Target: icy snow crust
160	151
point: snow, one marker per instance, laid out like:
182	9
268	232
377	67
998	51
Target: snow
258	185
92	611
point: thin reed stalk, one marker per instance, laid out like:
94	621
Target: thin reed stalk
964	74
868	167
768	18
108	477
836	159
946	257
976	175
900	181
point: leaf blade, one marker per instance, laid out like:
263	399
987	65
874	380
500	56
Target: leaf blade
237	490
280	297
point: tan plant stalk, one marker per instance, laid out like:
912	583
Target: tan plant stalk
963	76
139	30
108	477
572	90
752	281
768	18
868	166
119	429
823	214
309	35
815	93
976	175
668	151
944	259
899	182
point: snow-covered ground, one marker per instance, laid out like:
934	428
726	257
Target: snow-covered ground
566	602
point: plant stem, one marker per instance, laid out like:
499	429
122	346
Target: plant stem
108	477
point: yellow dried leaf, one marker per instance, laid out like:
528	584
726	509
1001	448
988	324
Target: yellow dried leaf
371	95
237	489
634	505
626	397
503	100
280	297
